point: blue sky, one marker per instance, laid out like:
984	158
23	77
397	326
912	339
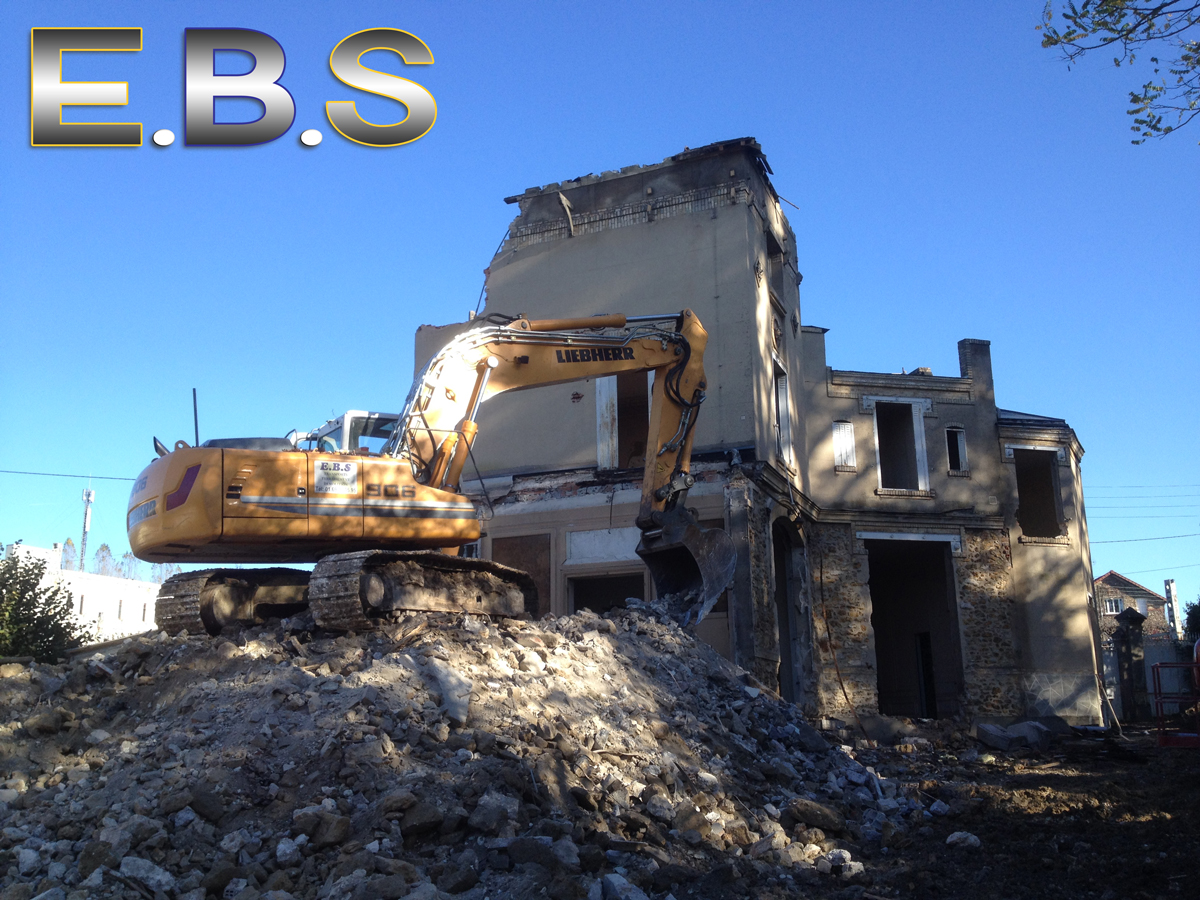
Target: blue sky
953	180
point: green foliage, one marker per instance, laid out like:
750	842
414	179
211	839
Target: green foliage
1191	620
1171	24
34	620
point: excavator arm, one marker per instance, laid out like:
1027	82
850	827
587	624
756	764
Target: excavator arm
690	565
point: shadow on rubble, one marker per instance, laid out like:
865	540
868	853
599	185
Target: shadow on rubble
583	756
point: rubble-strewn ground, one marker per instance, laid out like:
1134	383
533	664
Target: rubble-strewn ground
569	758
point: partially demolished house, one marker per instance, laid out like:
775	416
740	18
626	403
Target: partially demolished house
905	546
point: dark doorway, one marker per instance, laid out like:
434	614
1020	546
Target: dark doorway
915	619
602	593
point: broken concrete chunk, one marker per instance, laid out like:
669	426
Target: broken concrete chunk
493	810
813	814
422	818
616	887
455	691
962	839
147	873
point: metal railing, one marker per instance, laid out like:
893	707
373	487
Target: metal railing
1177	713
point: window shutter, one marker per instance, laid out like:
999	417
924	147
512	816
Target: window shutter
843	444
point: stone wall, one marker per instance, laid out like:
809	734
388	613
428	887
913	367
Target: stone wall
841	604
986	610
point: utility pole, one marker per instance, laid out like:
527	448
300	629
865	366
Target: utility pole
88	496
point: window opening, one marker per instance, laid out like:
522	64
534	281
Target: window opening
956	449
1037	493
469	551
843	446
897	446
1113	606
633	419
605	592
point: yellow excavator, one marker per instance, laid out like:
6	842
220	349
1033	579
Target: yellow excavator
374	499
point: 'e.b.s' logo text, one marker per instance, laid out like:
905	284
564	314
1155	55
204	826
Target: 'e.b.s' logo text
202	86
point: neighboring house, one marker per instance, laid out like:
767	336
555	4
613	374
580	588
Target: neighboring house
1115	593
901	540
114	607
1156	637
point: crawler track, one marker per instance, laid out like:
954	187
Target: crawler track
419	579
178	606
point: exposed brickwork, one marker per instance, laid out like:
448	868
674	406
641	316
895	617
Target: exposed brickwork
766	629
842	622
986	608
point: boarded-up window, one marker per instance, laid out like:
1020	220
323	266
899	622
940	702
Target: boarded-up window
530	553
1037	493
843	446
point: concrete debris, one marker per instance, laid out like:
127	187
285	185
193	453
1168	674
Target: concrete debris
962	839
1030	734
582	756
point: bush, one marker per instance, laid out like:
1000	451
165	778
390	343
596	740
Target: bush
34	620
1191	620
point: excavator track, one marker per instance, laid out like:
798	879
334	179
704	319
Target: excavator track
178	605
206	601
358	591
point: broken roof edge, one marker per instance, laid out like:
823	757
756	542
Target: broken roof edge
1012	415
717	148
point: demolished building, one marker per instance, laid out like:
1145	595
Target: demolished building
904	545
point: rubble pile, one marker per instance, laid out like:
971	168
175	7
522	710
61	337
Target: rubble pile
444	756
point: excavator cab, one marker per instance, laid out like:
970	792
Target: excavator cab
356	431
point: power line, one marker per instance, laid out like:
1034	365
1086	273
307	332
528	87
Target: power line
1154	506
1143	517
63	475
1144	496
1169	537
1163	569
1105	487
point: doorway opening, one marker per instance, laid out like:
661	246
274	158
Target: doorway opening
915	618
604	592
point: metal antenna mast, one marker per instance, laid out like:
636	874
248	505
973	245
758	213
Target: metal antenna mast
88	496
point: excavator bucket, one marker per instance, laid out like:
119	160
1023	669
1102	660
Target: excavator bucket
691	566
